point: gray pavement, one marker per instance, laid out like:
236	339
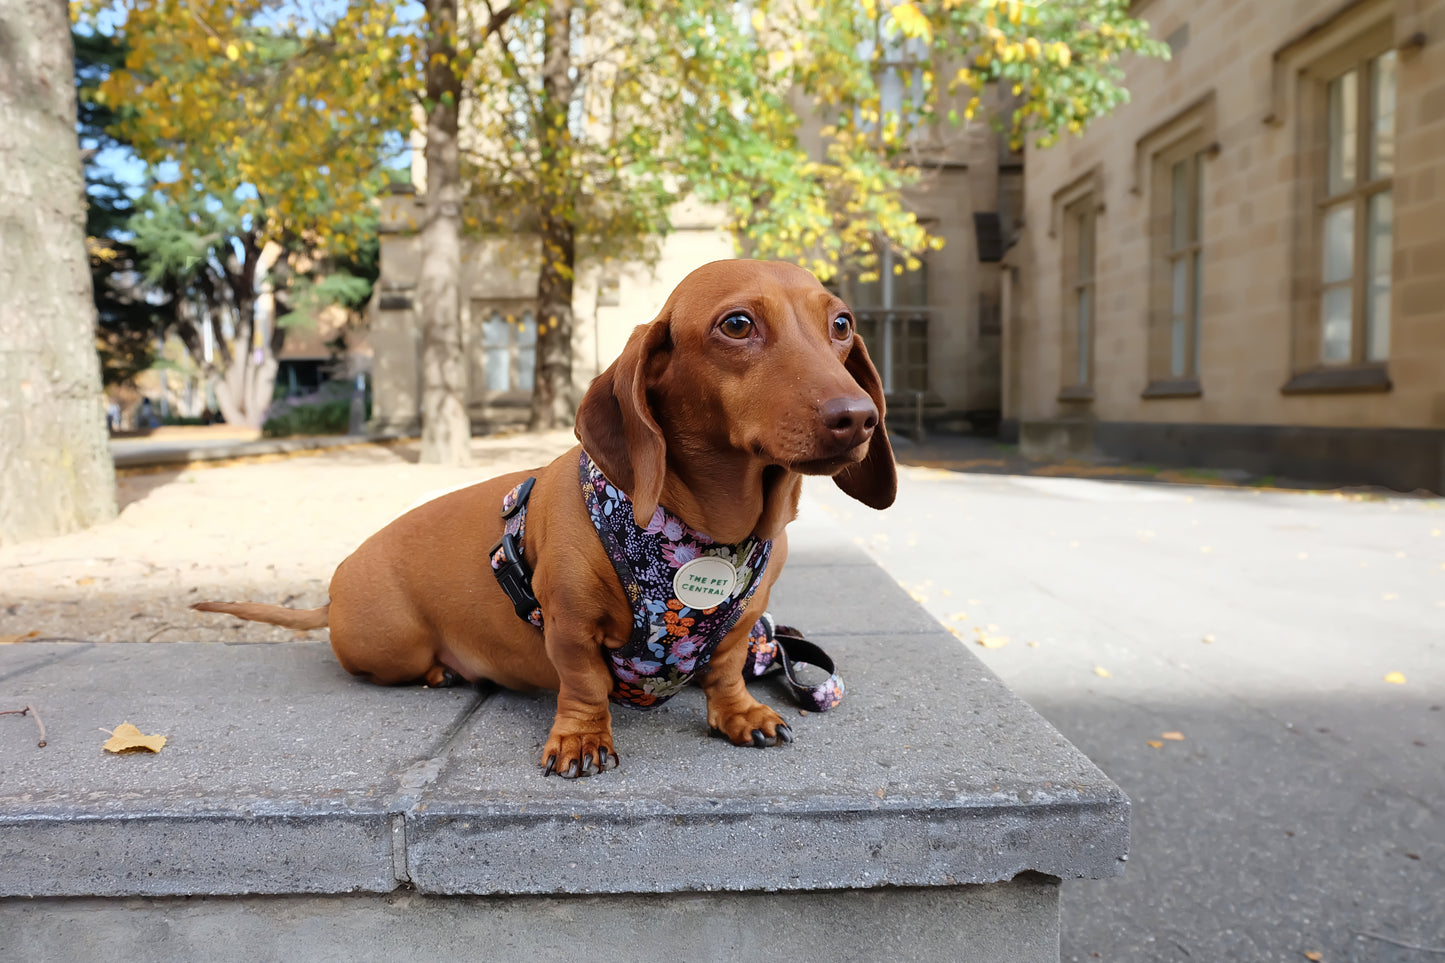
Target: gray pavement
1301	811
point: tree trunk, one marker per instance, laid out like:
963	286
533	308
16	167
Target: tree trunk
445	428
56	473
552	402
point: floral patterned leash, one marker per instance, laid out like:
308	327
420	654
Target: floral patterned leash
772	647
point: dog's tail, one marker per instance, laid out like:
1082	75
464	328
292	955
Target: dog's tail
274	614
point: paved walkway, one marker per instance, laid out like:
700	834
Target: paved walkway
1224	654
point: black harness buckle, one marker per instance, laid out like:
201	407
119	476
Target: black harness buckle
515	577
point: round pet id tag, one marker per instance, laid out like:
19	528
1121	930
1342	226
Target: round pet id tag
704	582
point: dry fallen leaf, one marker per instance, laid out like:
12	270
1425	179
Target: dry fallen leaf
127	737
1207	639
1314	956
1155	744
85	581
990	641
958	616
1398	678
1033	645
12	639
1101	671
1172	736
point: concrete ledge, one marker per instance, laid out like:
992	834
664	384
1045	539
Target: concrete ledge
284	775
141	453
1015	921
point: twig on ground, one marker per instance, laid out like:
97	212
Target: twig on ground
1408	946
28	711
163	628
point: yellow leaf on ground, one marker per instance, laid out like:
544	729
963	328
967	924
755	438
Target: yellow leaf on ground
1172	736
85	581
1396	677
127	737
1101	671
1155	744
11	639
958	616
1207	639
1314	956
992	641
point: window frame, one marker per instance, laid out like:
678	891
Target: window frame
1359	371
897	328
518	391
1366	186
1079	277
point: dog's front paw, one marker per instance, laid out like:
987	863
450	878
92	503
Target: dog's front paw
573	754
750	725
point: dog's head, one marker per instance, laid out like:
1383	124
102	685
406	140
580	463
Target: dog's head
747	360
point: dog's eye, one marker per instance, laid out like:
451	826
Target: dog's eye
842	326
737	326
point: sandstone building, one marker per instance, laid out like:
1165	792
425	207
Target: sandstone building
1245	265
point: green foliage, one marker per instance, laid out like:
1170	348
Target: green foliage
327	418
275	109
806	120
889	82
327	412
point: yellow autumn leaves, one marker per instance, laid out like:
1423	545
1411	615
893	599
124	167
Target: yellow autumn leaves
247	109
127	738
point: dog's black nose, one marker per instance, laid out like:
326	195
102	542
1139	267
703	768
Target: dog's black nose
850	421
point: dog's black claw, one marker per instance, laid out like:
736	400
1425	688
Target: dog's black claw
571	772
759	740
551	766
587	764
601	760
784	733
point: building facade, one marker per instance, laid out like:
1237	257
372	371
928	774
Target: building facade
1245	265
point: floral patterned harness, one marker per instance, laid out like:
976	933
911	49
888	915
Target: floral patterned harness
671	642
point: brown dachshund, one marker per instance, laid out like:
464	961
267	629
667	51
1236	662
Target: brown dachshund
751	377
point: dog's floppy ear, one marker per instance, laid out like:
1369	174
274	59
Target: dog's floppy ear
874	480
616	427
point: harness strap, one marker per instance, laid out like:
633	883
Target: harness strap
510	566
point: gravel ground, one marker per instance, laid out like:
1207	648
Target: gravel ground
268	531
